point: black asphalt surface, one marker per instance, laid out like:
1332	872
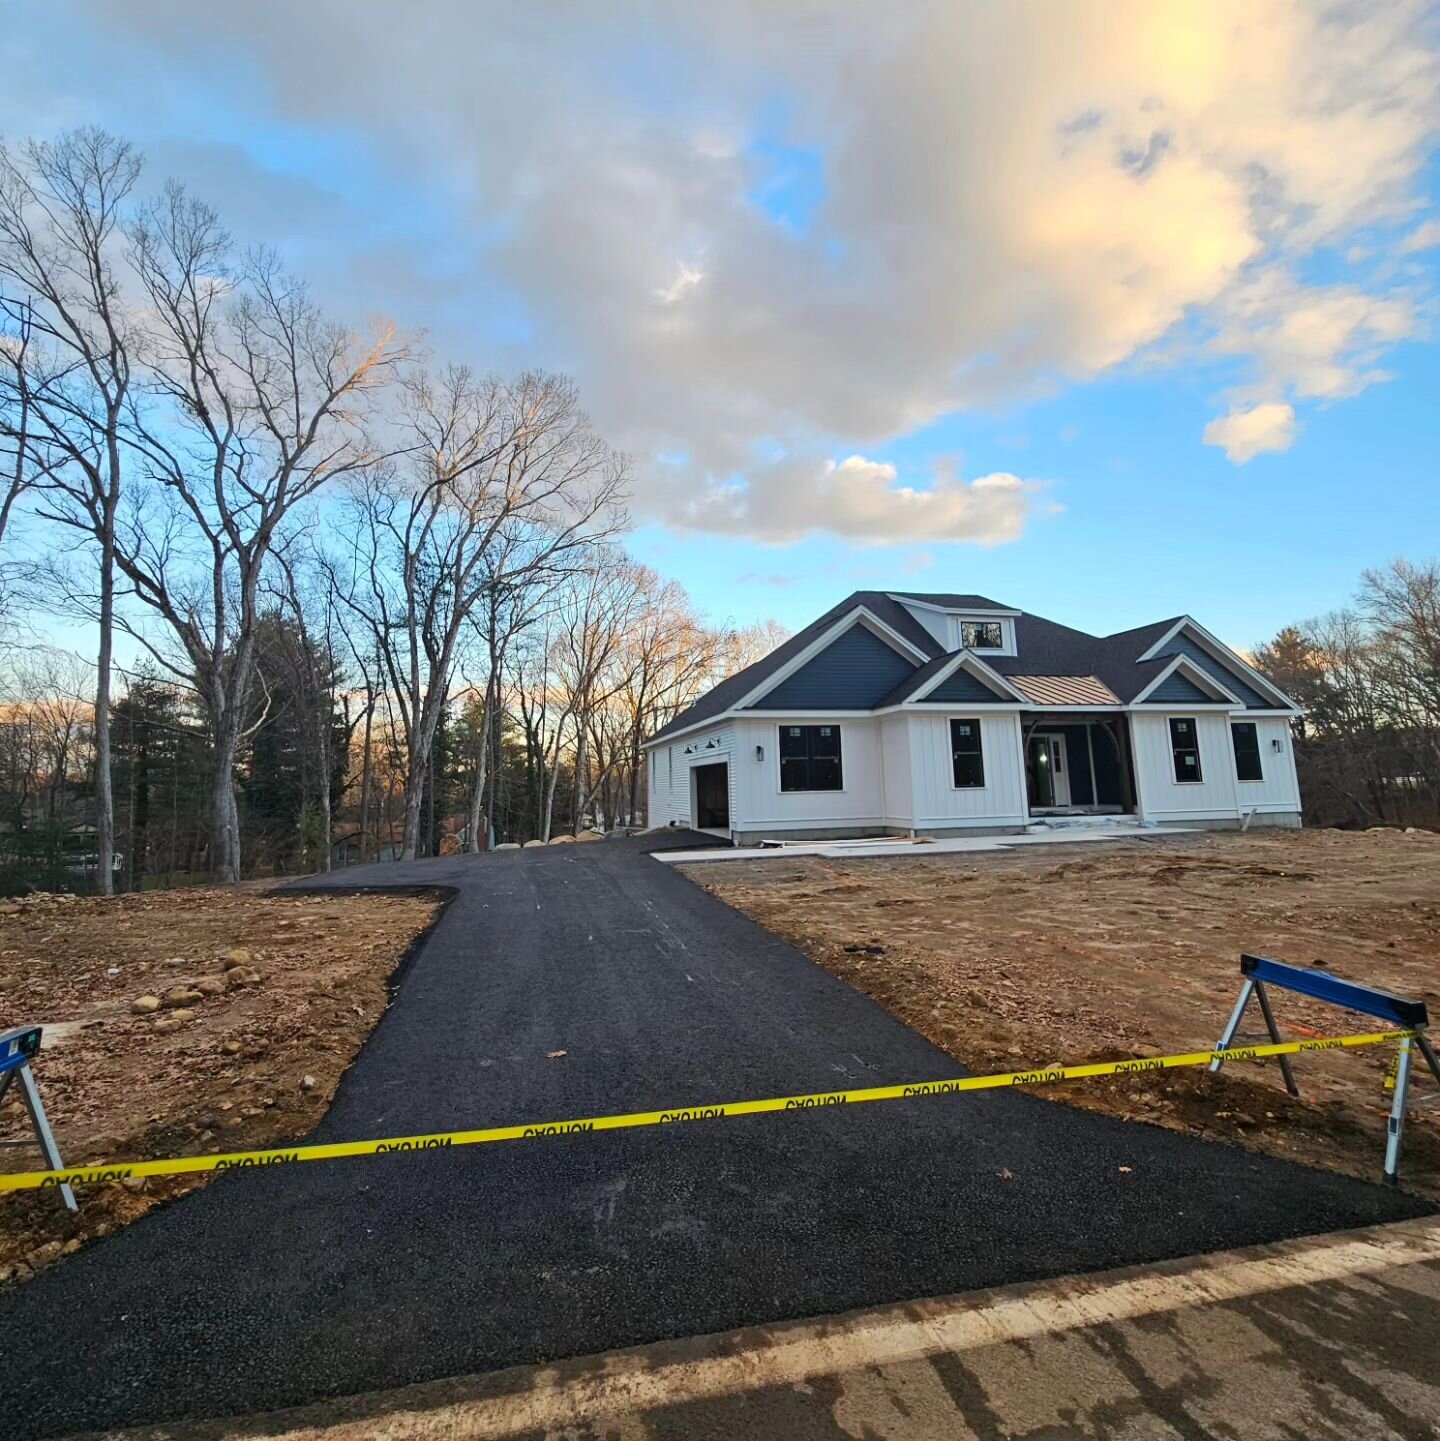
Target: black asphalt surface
291	1285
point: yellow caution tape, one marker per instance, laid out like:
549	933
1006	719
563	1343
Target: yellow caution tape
240	1160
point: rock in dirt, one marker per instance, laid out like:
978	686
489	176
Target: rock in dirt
210	986
236	956
166	1024
308	1083
242	976
180	996
182	1013
144	1005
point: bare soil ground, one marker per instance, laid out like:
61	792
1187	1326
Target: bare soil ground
1064	954
265	1001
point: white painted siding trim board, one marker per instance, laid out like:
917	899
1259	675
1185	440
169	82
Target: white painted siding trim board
968	660
859	616
1225	655
1193	673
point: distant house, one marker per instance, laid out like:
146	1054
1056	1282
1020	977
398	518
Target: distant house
905	713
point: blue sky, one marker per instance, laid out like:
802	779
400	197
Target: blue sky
1109	316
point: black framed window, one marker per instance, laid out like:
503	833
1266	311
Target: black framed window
981	634
1185	748
810	758
967	753
1245	737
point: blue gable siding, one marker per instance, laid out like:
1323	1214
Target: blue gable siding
852	673
960	685
1183	645
1179	689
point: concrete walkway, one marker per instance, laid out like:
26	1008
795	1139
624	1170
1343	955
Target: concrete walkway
1066	833
1328	1338
573	981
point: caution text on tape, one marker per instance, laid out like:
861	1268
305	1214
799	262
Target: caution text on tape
441	1140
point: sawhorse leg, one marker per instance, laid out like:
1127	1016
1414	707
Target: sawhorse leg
1232	1028
43	1135
1396	1124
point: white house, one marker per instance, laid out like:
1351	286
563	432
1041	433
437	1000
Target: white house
900	713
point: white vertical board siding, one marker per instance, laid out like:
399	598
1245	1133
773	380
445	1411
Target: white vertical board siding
758	802
938	801
1162	797
1280	788
898	779
669	774
665	794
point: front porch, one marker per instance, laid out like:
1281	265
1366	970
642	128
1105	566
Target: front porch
1077	764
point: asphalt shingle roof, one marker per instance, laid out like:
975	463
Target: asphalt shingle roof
1045	649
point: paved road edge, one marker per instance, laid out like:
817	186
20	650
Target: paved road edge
599	1388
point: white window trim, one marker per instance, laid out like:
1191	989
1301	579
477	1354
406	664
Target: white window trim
984	765
1170	746
1259	754
840	790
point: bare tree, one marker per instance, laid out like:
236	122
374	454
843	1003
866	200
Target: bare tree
252	404
499	481
70	339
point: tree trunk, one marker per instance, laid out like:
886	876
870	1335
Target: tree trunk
104	794
365	781
226	829
477	787
414	800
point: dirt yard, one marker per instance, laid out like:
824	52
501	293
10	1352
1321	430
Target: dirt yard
181	1022
1062	954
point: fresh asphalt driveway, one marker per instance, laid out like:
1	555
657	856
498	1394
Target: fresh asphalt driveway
280	1287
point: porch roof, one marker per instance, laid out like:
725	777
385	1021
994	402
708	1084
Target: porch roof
1065	690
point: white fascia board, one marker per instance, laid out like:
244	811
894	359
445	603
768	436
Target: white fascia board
671	737
977	667
791	713
1195	674
1164	640
860	615
1035	708
952	609
1225	656
952	707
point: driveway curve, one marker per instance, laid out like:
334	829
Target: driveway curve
571	981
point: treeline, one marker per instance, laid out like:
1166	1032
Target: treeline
381	601
1368	675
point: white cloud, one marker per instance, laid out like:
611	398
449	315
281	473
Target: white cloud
1015	197
1244	434
864	501
1423	237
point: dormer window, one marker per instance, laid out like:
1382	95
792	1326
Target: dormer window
981	635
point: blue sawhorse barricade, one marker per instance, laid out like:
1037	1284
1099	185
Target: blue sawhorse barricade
17	1049
1400	1011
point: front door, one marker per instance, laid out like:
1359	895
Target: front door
712	797
1047	772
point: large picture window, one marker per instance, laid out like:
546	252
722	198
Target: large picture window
1245	737
981	634
810	758
967	754
1185	748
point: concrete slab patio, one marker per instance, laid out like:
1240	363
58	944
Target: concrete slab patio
571	981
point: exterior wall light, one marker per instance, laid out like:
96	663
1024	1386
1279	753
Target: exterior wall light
759	753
